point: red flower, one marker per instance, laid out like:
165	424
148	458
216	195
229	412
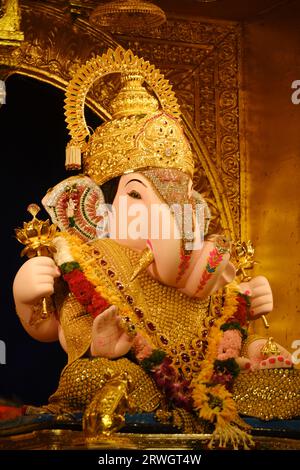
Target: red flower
241	313
74	276
82	289
97	305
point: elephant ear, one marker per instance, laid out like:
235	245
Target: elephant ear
74	206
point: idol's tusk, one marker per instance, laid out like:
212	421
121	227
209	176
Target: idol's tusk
145	260
265	321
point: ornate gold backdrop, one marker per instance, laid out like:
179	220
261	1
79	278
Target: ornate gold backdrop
203	60
199	57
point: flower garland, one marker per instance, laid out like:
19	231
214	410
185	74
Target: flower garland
208	394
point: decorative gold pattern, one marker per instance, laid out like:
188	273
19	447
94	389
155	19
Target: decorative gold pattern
82	380
268	393
135	143
128	15
145	260
133	98
75	320
154	307
138	135
127	64
270	348
183	421
162	312
207	86
10	34
200	58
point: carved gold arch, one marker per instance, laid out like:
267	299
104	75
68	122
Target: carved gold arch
201	60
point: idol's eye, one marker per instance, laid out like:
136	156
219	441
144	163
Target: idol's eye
134	194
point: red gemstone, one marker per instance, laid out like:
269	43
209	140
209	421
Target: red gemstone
211	322
119	285
185	357
129	299
103	262
139	312
110	273
204	333
96	252
151	326
193	353
218	312
164	340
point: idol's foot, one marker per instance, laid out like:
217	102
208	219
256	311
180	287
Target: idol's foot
276	362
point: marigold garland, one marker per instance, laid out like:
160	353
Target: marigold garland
208	394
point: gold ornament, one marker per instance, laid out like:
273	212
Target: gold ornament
10	34
268	393
244	254
37	236
270	348
144	130
145	260
105	414
128	15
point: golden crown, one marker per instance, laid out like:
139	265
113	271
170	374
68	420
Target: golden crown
144	129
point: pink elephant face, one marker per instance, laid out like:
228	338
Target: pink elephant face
140	214
155	208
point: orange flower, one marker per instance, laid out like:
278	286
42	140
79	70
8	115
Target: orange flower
199	396
219	407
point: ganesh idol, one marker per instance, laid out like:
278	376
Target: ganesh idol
152	319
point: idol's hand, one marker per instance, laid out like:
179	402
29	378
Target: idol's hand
108	337
34	280
260	296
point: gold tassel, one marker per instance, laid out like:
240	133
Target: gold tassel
145	260
73	156
228	436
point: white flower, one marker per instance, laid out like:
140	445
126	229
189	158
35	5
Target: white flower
63	253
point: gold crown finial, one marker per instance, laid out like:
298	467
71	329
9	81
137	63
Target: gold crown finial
143	131
133	98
